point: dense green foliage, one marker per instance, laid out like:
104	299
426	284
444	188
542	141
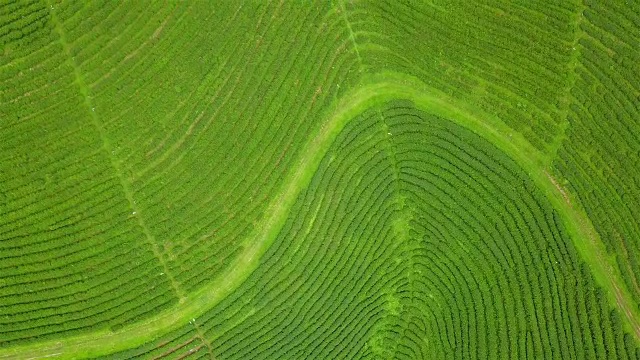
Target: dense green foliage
144	147
417	239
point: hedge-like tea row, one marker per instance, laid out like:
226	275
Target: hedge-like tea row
21	23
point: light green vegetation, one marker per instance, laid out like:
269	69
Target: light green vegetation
432	186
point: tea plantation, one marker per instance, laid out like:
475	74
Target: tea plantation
325	180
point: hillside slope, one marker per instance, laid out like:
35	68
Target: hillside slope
338	180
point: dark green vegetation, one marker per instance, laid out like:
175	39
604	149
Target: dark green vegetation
345	180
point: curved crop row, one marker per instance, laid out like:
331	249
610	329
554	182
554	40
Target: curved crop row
21	23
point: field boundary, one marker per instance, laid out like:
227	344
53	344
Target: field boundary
373	90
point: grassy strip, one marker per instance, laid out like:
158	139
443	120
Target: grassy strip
375	89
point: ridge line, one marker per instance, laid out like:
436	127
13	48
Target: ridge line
401	222
343	12
106	146
565	99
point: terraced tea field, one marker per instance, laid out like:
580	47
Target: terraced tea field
278	180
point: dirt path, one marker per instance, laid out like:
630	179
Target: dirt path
374	90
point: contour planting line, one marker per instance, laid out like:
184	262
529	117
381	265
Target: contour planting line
374	89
